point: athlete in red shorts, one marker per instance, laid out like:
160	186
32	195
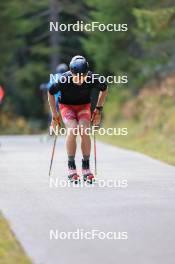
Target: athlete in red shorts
75	112
76	88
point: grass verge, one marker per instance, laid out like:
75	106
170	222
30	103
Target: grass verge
11	251
149	118
151	143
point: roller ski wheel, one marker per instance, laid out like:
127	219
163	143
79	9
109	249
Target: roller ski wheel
74	178
89	178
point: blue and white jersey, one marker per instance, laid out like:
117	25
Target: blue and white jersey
50	83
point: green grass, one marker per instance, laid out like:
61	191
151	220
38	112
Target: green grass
11	251
151	143
149	118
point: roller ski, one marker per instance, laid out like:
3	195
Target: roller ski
87	174
73	177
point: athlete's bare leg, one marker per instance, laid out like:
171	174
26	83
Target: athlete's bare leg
71	138
85	138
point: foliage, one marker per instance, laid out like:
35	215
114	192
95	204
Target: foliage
26	51
144	52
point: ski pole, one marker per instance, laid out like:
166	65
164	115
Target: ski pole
53	151
95	154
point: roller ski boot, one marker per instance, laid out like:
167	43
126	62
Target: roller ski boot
73	177
87	174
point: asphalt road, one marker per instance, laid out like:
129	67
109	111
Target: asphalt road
144	208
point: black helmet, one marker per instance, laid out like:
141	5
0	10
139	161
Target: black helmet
61	68
79	65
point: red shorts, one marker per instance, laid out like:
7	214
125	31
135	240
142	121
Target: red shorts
75	112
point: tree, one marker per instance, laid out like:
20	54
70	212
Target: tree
29	52
155	34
